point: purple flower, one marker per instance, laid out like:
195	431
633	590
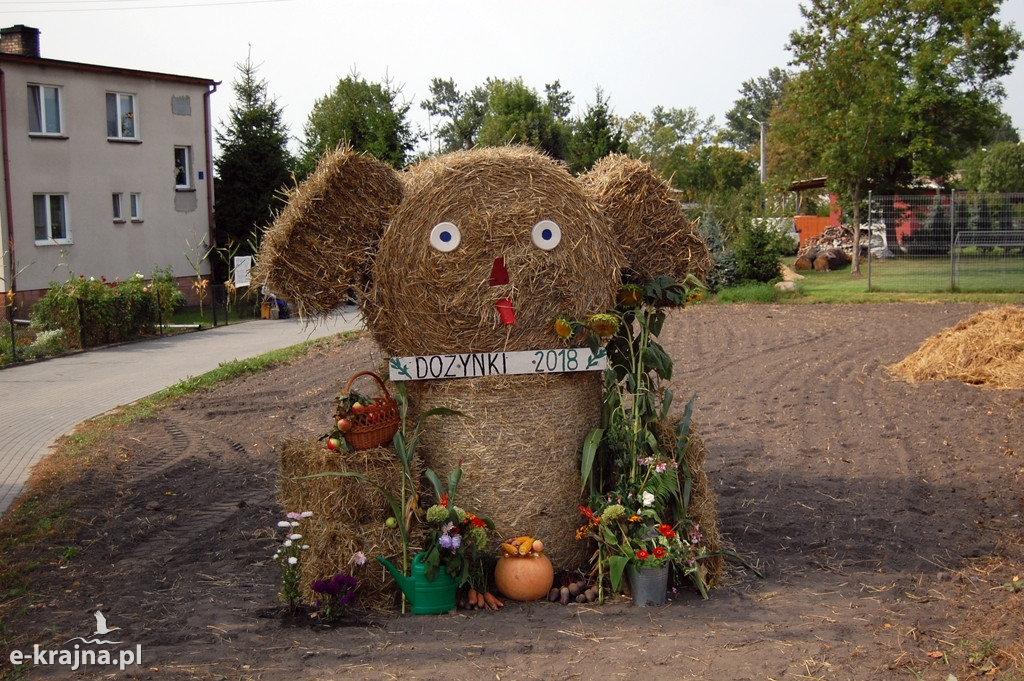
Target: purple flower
456	542
445	541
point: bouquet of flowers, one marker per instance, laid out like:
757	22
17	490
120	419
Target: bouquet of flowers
629	529
457	539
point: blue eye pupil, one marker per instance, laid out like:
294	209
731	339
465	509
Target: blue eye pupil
446	236
546	234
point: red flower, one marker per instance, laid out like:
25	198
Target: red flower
659	551
475	521
642	555
587	512
444	500
666	531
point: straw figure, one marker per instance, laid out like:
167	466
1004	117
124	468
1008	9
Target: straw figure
480	252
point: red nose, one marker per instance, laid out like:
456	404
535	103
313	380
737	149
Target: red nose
499	277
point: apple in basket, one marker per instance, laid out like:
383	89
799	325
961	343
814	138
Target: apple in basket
344	425
358	408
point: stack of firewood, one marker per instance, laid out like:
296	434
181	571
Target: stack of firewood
830	250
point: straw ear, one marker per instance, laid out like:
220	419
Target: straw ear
647	220
323	242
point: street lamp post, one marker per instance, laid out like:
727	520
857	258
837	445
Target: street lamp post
764	170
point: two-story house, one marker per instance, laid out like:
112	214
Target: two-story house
106	171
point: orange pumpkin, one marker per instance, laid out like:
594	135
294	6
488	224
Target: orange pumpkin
524	578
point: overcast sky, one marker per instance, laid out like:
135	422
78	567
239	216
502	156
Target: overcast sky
642	53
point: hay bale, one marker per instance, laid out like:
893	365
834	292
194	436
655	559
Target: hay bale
348	516
519	443
647	219
987	349
321	244
428	302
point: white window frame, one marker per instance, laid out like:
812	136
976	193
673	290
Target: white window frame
37	95
121	117
47	204
135	206
117	203
183	167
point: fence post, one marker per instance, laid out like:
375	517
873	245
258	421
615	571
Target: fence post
14	343
81	322
871	233
952	233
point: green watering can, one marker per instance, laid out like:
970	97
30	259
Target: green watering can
425	597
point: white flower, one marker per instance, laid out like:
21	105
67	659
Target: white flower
287	542
306	514
648	499
284	523
359	559
305	547
294	523
292	560
295	537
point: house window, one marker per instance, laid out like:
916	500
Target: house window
182	168
51	218
136	206
121	116
44	110
118	212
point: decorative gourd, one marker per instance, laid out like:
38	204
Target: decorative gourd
524	575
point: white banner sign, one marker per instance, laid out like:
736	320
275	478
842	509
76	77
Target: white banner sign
242	265
477	364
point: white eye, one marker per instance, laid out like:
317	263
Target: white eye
445	237
546	234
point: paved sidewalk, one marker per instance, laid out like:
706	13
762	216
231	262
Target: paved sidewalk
45	400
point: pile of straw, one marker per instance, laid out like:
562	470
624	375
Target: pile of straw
986	349
428	302
348	516
322	243
647	219
519	443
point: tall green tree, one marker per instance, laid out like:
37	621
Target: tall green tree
758	96
516	114
461	114
891	87
999	168
658	136
366	116
595	136
253	165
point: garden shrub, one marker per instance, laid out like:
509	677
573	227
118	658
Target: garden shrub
758	253
94	311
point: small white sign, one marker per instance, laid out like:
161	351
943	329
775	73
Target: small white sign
477	364
243	263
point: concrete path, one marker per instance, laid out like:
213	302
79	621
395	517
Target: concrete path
41	401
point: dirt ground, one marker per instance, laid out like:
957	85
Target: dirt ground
887	518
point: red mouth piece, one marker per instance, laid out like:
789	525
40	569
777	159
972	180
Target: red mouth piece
499	277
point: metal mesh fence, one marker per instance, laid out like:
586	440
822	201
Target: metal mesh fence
956	241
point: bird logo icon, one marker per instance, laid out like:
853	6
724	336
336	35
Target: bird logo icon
101	625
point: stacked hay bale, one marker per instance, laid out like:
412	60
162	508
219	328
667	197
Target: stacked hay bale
348	515
521	437
987	349
648	220
322	243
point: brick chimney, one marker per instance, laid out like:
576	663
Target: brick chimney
20	39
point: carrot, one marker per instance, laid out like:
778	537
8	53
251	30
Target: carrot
492	602
472	597
480	602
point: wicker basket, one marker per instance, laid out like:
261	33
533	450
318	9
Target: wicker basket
378	423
